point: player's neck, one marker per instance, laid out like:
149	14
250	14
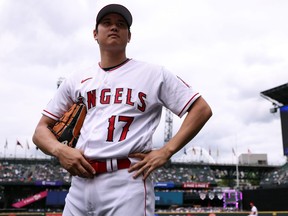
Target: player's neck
110	60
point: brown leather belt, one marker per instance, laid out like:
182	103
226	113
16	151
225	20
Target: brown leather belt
110	165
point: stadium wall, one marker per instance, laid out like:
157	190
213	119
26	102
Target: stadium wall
267	199
274	213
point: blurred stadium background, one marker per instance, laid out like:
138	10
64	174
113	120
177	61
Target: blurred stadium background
39	186
190	185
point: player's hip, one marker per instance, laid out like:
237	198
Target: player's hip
115	193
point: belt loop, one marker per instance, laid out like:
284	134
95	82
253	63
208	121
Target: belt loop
114	165
108	165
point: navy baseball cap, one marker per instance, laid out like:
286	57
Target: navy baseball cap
115	8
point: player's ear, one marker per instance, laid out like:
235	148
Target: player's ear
95	35
129	36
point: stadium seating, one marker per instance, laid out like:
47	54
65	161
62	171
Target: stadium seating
27	171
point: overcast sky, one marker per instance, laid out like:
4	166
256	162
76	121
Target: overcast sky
229	51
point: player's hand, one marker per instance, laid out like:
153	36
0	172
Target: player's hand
74	162
148	162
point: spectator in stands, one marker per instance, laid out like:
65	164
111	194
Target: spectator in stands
254	211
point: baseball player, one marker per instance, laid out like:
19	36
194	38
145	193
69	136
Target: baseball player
113	159
254	211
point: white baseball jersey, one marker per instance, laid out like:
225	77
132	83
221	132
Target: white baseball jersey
124	106
254	211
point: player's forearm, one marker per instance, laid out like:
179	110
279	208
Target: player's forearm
45	140
196	118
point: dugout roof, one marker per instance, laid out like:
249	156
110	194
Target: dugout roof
277	95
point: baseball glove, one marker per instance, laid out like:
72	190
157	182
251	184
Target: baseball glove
67	128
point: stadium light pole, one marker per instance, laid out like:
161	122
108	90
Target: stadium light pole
237	172
237	163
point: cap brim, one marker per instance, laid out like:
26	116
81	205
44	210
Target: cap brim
115	8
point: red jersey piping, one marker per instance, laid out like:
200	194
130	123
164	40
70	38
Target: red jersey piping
51	114
187	104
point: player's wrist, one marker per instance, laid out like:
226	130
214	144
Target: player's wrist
57	149
168	151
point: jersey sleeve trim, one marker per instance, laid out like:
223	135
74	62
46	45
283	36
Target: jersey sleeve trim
48	114
187	104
